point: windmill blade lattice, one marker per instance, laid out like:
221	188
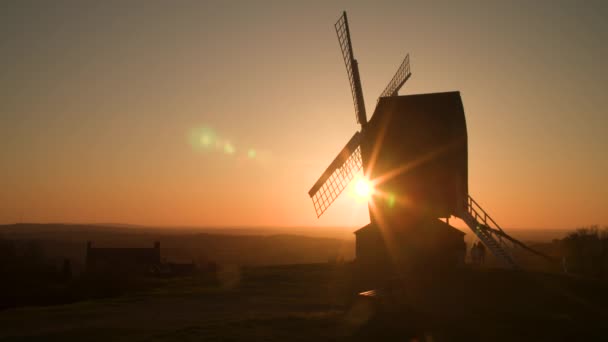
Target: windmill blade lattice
401	76
337	176
352	68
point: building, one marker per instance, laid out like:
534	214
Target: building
424	244
140	260
415	151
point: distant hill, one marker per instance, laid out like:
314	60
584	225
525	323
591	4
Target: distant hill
229	246
328	232
538	235
238	245
523	234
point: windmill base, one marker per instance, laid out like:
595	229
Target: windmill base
428	245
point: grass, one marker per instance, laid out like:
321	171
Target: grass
315	302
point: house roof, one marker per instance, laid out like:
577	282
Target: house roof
115	255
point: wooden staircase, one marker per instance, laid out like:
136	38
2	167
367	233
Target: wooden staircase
492	235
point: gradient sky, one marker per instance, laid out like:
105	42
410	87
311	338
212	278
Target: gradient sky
102	105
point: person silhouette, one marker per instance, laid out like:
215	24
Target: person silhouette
475	253
482	252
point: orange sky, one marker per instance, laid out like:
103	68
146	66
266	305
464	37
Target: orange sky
101	106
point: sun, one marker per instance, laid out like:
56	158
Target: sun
363	188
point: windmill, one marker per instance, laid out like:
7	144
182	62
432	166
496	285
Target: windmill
414	151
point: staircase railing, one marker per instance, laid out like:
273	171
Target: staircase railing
485	235
477	211
491	234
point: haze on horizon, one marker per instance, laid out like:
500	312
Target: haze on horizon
225	113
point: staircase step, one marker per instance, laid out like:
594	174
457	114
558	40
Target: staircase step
488	239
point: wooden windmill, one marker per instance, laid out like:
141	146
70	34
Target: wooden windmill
413	150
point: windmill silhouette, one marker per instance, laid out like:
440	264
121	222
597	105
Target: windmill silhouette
413	151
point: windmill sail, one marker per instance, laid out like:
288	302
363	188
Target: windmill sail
401	76
337	176
352	68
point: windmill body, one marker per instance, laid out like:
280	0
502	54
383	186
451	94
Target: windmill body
420	163
414	152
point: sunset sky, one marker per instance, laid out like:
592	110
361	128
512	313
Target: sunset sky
225	113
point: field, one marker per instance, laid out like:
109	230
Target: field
315	302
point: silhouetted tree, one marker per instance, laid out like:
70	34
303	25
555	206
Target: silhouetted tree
586	251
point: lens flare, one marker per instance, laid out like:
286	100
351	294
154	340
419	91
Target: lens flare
206	139
391	200
201	138
229	148
363	188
